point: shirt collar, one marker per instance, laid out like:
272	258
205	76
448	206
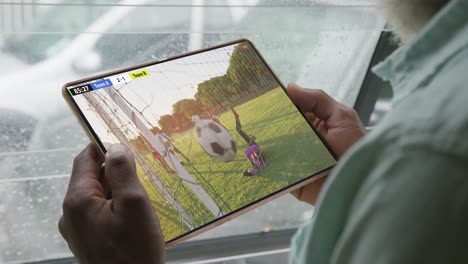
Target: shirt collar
420	59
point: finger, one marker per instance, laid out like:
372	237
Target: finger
317	123
310	117
85	173
86	166
312	100
105	182
297	193
62	229
322	129
120	169
65	234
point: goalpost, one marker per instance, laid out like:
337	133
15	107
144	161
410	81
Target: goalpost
155	143
98	104
134	111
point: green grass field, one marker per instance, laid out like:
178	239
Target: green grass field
170	221
291	148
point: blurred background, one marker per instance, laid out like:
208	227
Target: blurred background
326	44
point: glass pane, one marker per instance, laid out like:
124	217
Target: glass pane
44	44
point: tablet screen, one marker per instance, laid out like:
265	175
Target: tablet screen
212	132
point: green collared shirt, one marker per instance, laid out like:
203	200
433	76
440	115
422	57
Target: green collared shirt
400	195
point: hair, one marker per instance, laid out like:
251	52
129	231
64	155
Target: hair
407	17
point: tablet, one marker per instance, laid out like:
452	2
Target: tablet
213	133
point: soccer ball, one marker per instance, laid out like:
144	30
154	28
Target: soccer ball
215	139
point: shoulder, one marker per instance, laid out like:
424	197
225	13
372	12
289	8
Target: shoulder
434	114
416	200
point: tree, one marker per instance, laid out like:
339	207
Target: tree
246	73
167	123
214	92
184	109
246	69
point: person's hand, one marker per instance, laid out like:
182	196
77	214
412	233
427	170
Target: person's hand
336	123
120	229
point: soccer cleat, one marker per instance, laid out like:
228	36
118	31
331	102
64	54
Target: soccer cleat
248	173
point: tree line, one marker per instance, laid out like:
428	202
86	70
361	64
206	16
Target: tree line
246	78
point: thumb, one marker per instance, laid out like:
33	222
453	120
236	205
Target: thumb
120	170
313	101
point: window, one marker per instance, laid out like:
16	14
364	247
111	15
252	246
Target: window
44	44
31	47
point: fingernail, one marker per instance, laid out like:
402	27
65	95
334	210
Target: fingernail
294	84
117	148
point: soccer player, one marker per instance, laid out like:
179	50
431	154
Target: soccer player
241	132
253	152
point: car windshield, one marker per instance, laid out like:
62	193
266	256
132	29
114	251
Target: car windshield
325	44
62	22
